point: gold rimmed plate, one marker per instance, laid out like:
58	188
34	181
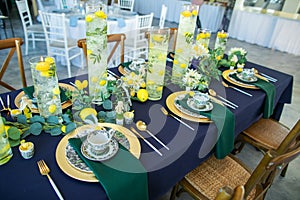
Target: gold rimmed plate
170	101
64	104
67	168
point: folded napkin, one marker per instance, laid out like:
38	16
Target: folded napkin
30	90
73	21
225	122
268	88
129	183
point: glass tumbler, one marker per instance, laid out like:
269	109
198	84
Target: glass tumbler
5	150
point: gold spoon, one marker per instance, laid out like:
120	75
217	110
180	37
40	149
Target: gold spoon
264	76
214	94
143	127
165	112
239	90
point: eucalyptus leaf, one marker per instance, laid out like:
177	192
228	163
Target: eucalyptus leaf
55	131
111	114
107	104
70	127
22	119
25	134
14	133
101	114
14	143
37	118
66	118
36	128
91	119
53	120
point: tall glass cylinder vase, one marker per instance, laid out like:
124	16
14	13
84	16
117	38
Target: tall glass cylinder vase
203	37
158	50
184	41
96	39
46	89
221	41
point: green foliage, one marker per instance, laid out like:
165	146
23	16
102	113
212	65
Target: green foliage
13	133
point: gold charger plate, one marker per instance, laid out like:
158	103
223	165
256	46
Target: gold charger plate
121	70
64	105
135	149
226	73
170	104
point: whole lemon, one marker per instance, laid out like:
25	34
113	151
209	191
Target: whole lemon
142	95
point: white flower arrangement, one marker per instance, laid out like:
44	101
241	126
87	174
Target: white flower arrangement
200	51
237	56
191	78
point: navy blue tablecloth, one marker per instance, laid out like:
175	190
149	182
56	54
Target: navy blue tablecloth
21	179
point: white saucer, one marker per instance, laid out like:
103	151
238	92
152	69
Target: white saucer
248	80
108	153
191	103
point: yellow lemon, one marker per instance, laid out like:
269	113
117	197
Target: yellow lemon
142	95
195	12
101	14
52	108
175	62
63	128
49	60
45	73
239	70
102	82
158	38
89	18
86	112
56	91
159	89
183	65
42	66
186	13
207	34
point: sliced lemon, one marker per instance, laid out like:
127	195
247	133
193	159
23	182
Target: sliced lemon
49	60
42	66
86	112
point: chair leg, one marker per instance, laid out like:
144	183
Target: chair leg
174	192
26	44
283	172
238	146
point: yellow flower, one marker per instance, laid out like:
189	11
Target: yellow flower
175	62
102	82
195	12
143	85
186	13
201	36
52	108
81	85
101	14
219	57
89	18
56	91
183	65
94	79
191	93
222	35
89	52
132	74
63	128
150	82
159	89
132	93
130	82
161	72
42	66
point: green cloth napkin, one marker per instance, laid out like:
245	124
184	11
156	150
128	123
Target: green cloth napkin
225	122
122	177
30	90
269	89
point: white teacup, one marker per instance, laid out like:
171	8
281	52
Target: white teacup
248	73
98	141
200	100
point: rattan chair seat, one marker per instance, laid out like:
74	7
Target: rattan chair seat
267	132
227	171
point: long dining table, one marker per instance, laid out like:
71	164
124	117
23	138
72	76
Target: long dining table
21	179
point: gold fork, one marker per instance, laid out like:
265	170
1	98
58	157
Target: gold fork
44	169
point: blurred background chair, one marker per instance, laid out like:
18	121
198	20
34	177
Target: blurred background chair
204	181
32	32
266	134
58	43
137	45
5	16
11	46
126	4
163	14
117	39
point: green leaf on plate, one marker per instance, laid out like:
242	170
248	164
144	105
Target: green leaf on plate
55	131
36	128
14	133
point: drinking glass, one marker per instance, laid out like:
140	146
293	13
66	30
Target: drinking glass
46	89
5	150
158	50
221	40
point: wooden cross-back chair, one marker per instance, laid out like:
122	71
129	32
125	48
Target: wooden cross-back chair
204	181
266	134
119	40
14	44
